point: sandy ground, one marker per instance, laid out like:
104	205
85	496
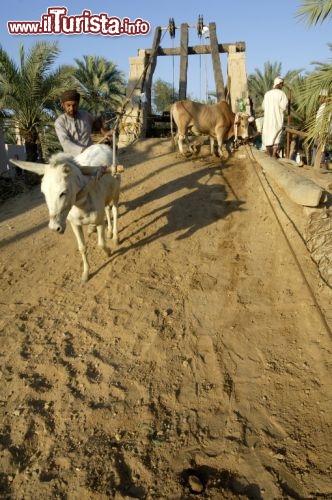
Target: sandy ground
195	363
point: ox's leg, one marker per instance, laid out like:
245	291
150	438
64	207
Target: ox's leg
220	133
78	232
181	139
175	141
212	145
184	138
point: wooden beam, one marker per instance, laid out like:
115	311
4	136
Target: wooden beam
147	79
223	48
220	88
183	61
296	132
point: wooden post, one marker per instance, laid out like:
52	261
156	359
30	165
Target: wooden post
237	86
151	67
147	82
183	61
134	120
220	88
143	66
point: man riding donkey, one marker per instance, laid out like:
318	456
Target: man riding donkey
74	127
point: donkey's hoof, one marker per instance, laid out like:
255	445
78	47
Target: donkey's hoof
85	277
108	251
92	229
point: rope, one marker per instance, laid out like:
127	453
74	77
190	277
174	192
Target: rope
122	113
290	247
173	72
206	79
200	77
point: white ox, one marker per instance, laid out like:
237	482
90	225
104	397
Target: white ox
81	199
216	120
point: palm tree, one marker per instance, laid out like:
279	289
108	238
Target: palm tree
102	85
260	82
163	95
314	12
28	92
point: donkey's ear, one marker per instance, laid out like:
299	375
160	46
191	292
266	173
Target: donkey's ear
37	168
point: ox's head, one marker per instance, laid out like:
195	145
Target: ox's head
60	189
241	125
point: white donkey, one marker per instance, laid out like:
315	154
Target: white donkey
81	199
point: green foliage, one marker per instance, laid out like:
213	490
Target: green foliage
260	82
101	85
309	100
163	95
28	92
303	91
314	11
303	94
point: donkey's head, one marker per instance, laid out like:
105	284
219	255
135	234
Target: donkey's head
60	185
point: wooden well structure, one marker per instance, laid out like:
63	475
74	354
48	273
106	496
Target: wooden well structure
142	68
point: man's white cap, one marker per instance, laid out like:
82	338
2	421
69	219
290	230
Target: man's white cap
277	81
323	93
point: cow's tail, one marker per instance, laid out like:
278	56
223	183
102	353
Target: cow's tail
171	123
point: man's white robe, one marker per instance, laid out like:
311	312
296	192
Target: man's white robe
274	105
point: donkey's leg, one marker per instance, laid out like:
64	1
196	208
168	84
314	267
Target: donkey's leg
102	240
115	223
91	229
78	232
109	221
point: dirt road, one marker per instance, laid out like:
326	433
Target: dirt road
195	363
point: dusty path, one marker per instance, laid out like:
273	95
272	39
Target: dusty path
195	357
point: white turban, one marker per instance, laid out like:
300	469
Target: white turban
277	81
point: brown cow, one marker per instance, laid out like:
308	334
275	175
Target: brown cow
216	120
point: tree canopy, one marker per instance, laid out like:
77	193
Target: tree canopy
29	90
101	84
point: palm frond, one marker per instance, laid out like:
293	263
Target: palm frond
314	11
29	91
101	84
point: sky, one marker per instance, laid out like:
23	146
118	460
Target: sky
270	30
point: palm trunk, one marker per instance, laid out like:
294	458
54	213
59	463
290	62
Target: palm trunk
318	157
31	150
